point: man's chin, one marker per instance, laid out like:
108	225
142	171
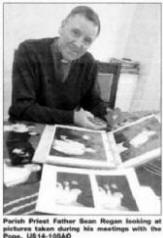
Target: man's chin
71	57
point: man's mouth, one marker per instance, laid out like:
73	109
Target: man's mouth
74	51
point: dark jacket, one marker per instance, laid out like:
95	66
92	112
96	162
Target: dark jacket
38	92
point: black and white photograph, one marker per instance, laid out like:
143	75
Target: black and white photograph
78	143
81	105
72	145
74	189
115	193
139	141
70	191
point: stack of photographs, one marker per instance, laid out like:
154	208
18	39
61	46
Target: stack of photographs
92	172
129	146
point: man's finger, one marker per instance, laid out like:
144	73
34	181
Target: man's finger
94	126
89	114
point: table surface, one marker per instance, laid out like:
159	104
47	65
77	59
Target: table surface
21	199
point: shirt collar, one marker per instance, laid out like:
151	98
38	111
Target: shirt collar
57	52
55	49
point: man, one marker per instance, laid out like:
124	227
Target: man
54	78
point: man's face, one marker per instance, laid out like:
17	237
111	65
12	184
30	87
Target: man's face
76	35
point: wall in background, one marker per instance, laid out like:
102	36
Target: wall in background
128	30
144	44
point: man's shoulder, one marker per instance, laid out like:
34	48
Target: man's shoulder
88	58
36	43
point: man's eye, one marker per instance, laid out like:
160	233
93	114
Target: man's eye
76	33
88	41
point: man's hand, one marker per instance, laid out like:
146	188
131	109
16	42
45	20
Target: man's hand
114	118
86	119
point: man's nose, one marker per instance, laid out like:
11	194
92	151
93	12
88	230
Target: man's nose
79	43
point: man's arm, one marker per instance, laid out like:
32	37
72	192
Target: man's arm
26	84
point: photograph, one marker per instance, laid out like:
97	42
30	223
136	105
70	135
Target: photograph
75	144
75	75
65	191
140	141
74	190
69	142
115	193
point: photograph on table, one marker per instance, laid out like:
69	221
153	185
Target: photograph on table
74	189
75	146
65	191
138	142
77	191
114	193
72	142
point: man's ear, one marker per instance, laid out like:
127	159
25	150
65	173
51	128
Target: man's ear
60	30
61	27
63	23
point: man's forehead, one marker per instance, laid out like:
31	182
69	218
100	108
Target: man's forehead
78	18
